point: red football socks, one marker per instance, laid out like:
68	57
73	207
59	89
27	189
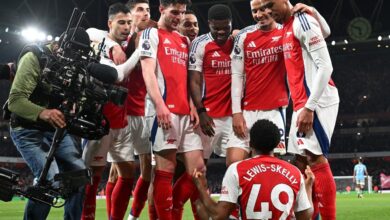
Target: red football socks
89	205
162	194
140	195
120	198
109	188
325	191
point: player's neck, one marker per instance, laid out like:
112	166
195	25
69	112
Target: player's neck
288	13
267	28
112	37
162	25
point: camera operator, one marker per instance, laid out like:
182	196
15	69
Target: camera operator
32	127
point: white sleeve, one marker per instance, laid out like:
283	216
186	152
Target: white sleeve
96	35
197	54
309	33
230	187
237	57
124	69
149	43
323	24
302	202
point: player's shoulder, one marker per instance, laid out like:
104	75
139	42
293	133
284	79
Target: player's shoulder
200	41
304	21
249	29
149	32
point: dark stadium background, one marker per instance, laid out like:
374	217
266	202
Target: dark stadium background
361	69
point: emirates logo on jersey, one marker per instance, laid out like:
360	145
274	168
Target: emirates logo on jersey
166	41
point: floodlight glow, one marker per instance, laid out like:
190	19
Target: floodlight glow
57	38
41	36
49	37
30	34
333	42
346	41
379	38
6	29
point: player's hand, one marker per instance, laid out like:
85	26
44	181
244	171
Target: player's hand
206	124
305	120
239	125
118	56
194	116
199	179
300	7
163	116
54	117
309	180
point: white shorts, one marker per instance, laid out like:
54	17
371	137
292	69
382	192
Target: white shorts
277	116
318	139
217	143
116	143
139	138
180	136
360	182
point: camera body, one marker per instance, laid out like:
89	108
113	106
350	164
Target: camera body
67	183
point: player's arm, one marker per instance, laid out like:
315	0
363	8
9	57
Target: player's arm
195	81
220	210
96	35
124	69
148	52
312	40
148	71
303	207
239	124
365	171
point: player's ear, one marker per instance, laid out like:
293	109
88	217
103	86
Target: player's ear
161	9
109	24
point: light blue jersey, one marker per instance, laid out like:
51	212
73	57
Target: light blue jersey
360	170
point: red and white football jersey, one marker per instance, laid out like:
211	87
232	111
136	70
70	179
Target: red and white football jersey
116	115
259	55
170	49
265	188
136	93
302	43
207	57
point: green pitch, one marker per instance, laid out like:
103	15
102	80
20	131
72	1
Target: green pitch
373	206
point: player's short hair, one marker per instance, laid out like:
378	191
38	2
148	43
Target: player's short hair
131	3
190	12
264	136
166	3
219	12
117	8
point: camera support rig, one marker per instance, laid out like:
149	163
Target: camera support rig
44	191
